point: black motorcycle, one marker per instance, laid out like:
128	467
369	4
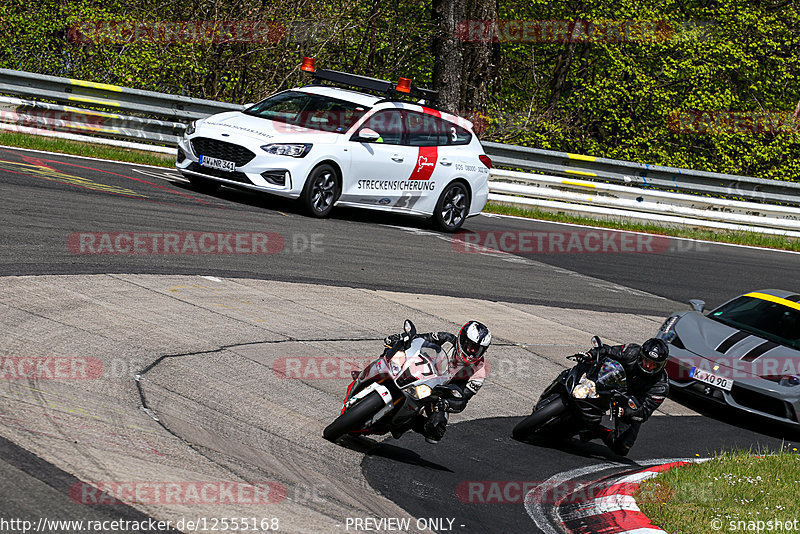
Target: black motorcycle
578	398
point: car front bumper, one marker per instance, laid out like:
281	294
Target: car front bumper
754	395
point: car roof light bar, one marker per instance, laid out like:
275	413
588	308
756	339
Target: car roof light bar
373	84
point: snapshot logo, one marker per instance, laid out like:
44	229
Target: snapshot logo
177	243
733	122
187	493
574	242
183	32
563	31
50	368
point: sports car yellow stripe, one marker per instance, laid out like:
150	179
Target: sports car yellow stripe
772	298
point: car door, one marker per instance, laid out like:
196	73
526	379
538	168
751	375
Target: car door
380	167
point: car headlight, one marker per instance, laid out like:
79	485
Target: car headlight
191	128
295	150
790	380
420	392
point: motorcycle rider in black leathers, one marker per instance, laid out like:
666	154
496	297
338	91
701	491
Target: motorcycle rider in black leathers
464	353
647	387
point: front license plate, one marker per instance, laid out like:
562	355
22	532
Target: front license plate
214	163
711	378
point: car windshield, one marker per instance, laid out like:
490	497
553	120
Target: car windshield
308	110
771	320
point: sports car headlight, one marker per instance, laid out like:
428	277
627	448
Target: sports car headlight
420	392
191	128
790	380
287	149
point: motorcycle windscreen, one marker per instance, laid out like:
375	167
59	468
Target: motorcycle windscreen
422	365
611	375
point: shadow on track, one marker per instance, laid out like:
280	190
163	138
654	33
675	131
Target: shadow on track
370	447
284	205
481	454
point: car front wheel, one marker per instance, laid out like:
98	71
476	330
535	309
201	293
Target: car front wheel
321	191
452	208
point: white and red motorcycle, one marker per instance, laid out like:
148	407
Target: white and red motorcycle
403	382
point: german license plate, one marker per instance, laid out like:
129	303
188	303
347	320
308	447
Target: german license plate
712	379
214	163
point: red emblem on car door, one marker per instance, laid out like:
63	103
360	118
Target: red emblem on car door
426	162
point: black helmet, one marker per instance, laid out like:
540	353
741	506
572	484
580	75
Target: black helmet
473	340
653	356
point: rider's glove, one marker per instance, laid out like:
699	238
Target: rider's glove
585	357
441	405
391	341
632	412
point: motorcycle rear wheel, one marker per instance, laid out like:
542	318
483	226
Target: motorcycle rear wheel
540	420
354	417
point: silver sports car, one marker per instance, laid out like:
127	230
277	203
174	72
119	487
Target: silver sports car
745	353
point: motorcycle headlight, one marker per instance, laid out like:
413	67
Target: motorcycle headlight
420	392
295	150
191	128
396	363
586	389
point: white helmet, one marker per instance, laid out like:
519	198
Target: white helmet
473	340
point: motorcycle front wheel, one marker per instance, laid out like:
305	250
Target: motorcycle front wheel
354	417
540	419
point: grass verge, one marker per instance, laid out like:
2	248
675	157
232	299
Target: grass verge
63	146
731	492
91	150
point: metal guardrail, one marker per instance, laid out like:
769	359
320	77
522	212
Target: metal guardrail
91	94
642	175
561	181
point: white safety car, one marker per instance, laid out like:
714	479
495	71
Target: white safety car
345	140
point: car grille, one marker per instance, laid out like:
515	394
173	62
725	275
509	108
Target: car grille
762	403
235	176
204	146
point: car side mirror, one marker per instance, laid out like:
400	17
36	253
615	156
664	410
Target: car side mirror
367	135
698	305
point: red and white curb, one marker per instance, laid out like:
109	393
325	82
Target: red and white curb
613	510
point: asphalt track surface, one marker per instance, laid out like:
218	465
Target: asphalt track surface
41	209
47	198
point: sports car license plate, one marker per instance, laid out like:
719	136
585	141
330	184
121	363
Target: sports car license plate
711	378
214	163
